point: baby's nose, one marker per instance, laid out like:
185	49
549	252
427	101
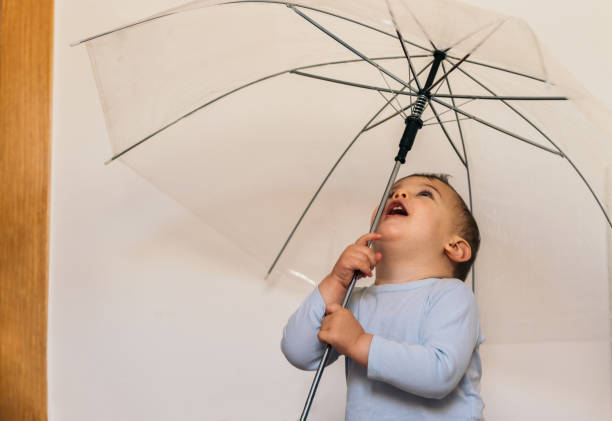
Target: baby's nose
400	194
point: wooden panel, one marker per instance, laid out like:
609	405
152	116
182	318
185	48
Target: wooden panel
26	41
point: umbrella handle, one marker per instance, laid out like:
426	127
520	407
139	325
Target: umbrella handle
323	362
349	291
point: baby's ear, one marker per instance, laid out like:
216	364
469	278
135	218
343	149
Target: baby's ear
458	250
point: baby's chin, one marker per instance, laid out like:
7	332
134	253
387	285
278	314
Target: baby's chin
390	241
398	236
392	230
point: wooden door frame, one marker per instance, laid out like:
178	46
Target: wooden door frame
26	57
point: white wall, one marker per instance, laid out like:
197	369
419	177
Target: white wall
153	316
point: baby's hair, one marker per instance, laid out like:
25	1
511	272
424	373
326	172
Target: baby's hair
468	229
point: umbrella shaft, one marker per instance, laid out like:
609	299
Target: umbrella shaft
438	57
413	125
349	292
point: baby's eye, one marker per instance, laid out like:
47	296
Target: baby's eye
426	193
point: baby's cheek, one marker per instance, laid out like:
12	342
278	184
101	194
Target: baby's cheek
373	215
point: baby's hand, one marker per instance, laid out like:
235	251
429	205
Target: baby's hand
356	257
341	330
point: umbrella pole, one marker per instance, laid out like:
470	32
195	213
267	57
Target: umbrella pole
413	124
349	291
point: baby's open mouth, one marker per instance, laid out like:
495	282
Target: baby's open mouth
396	208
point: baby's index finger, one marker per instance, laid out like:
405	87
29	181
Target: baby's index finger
363	240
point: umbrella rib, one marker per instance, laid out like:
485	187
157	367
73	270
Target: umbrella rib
327	176
396	96
449	110
471	34
450	90
347	46
365	25
456	65
250	1
355	60
172	123
384	120
493	126
74	44
400	38
354	84
537	44
478	63
123	152
551	141
503	98
378	123
467	166
482	85
419	25
398	111
590	189
444	121
447	135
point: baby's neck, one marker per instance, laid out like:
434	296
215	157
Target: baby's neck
395	271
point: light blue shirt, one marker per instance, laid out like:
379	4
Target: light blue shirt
423	362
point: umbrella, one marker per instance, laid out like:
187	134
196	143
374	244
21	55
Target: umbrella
275	121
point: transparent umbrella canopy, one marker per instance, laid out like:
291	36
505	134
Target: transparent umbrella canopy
277	124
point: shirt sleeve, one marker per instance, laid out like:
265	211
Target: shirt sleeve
300	343
433	367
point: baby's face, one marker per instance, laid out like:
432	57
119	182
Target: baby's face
420	212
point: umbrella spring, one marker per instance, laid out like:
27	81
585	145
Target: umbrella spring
419	106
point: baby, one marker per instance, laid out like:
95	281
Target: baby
411	339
